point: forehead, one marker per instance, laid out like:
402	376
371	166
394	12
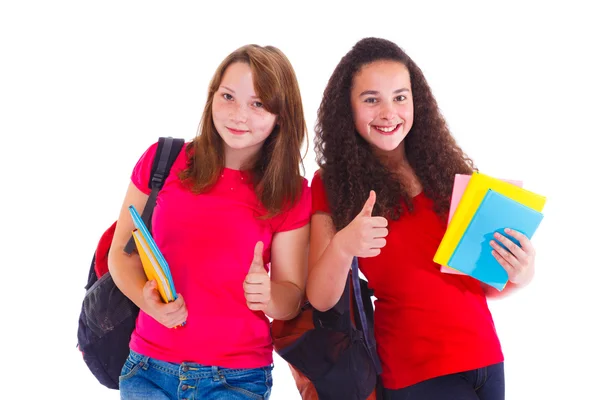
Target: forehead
237	74
381	75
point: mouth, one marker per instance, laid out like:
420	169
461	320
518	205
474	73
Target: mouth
237	131
386	130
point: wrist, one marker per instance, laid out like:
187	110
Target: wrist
339	244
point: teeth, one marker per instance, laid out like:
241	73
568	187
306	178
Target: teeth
386	128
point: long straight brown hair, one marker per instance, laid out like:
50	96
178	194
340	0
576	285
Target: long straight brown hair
276	169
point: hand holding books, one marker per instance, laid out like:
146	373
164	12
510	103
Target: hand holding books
171	315
476	243
160	288
517	260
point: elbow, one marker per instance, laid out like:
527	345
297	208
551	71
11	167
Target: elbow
318	301
113	263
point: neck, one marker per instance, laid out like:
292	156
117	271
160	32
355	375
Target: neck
241	159
394	160
397	162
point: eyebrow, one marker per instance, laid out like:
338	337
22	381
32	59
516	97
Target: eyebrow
375	92
233	91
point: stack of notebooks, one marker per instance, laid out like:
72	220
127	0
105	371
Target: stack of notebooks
155	265
481	206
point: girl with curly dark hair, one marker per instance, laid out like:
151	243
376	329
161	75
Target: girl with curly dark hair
382	194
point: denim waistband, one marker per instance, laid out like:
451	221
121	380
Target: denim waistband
190	370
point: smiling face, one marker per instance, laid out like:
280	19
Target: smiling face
382	104
239	115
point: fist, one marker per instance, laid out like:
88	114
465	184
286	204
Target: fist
257	285
365	235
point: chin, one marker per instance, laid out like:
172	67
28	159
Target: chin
389	146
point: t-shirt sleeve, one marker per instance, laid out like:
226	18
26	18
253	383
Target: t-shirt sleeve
298	215
141	172
319	197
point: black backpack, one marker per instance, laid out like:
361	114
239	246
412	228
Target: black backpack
107	317
337	356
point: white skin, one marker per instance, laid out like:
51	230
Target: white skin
383	111
244	125
239	116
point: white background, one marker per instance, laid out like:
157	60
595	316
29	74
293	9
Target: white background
86	87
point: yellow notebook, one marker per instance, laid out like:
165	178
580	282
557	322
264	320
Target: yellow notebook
476	190
152	268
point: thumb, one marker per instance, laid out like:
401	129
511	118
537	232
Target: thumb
369	204
258	264
151	290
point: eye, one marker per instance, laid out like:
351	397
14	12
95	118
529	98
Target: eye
371	100
401	98
227	96
258	104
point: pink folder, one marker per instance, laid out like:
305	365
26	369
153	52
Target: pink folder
460	184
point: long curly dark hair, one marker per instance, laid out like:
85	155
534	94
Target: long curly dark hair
350	169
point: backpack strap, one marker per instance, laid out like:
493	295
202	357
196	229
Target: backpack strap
166	153
370	343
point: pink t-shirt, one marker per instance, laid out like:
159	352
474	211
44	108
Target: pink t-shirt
208	241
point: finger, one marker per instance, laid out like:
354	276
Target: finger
250	287
176	305
506	255
378	243
523	241
367	209
380	232
178	318
257	306
379	222
511	246
257	278
150	291
256	298
510	270
258	264
370	253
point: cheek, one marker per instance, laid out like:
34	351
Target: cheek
263	124
408	115
218	111
362	118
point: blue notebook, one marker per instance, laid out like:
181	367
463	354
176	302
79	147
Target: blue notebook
473	254
141	227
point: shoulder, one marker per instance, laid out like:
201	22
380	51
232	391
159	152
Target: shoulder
317	179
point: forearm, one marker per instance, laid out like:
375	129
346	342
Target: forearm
328	276
286	299
128	274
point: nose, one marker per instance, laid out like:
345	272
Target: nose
386	112
239	114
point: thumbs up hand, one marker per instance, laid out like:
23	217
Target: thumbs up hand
365	235
257	285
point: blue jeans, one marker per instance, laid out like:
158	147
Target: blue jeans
479	384
147	378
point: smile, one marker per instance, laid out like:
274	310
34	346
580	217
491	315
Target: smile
387	130
236	131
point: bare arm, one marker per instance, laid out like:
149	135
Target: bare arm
328	264
288	273
126	270
331	253
128	273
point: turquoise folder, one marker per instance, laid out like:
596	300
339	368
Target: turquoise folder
473	254
141	227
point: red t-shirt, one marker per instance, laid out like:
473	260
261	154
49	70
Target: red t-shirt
427	323
208	241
